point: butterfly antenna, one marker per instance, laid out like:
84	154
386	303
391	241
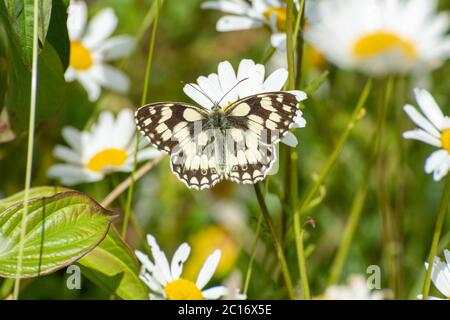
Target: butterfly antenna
201	91
231	90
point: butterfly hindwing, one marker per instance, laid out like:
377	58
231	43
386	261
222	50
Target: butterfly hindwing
262	119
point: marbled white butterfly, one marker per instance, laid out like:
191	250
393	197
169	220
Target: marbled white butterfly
237	142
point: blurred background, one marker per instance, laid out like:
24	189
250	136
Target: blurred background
187	46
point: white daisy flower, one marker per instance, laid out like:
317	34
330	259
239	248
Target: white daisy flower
355	289
253	14
440	275
434	129
91	48
217	87
108	147
381	37
165	281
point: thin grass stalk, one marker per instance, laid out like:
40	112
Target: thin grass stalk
31	129
356	116
358	203
443	208
276	242
143	101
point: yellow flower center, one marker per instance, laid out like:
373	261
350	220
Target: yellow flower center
280	14
182	289
374	44
107	158
80	56
445	140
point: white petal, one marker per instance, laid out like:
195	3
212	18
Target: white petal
233	23
442	170
70	74
290	139
90	85
160	258
278	40
76	20
147	154
100	28
71	175
208	269
192	91
111	78
429	107
215	293
116	47
67	155
440	275
73	137
300	95
227	78
276	80
435	160
227	6
423	136
420	120
210	88
179	258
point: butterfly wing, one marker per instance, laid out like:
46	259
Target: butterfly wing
257	124
178	129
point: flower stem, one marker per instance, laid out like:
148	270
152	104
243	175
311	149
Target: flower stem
276	242
143	100
436	236
357	115
358	202
248	274
31	129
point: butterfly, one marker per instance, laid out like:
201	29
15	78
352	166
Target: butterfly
237	142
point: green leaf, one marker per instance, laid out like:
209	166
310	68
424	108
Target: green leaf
112	265
37	192
59	230
58	35
45	12
25	27
51	84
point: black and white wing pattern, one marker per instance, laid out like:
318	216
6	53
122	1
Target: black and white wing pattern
238	143
177	129
257	124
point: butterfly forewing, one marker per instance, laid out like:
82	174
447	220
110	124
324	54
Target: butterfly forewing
260	120
167	125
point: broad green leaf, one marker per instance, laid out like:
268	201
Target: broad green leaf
59	230
37	192
25	20
45	12
58	35
51	84
14	73
112	265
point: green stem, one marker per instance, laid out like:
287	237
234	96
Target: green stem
357	114
31	129
436	236
298	230
248	274
276	242
143	100
358	202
